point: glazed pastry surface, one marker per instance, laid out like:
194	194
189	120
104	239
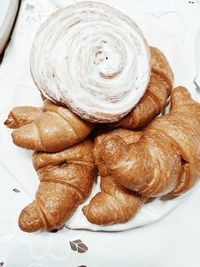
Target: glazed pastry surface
114	203
166	159
155	98
51	129
66	180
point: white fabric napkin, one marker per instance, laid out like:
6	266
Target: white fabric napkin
170	31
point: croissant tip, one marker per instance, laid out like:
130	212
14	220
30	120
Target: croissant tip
97	213
27	227
89	215
9	122
6	122
29	220
180	95
182	91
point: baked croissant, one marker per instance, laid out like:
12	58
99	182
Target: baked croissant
53	129
100	73
166	159
66	179
155	98
114	204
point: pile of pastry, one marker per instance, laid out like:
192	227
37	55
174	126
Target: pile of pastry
136	153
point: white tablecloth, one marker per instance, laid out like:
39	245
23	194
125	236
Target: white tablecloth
174	241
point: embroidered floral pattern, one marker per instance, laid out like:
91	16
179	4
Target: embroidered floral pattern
78	245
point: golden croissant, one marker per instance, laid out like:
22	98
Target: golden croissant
166	159
114	203
155	98
66	179
51	129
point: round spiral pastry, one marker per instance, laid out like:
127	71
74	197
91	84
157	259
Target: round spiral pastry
93	59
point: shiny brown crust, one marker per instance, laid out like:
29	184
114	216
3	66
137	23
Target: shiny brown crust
114	203
167	157
20	116
155	98
66	180
53	129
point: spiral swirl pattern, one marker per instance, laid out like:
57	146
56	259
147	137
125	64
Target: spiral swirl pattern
93	59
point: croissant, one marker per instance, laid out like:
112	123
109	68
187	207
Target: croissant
100	73
155	98
114	204
66	179
53	129
166	159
